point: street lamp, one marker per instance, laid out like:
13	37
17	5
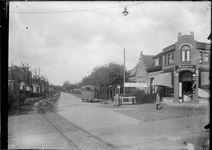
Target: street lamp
125	12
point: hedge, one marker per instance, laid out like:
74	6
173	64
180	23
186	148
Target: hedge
142	97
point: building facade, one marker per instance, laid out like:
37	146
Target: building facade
181	70
139	73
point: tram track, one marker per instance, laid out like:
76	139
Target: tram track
45	108
42	112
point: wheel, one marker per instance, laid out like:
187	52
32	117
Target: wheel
83	100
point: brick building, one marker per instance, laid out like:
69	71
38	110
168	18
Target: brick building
181	70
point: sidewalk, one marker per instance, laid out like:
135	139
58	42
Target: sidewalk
202	102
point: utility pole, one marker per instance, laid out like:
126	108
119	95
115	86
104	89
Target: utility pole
124	72
39	83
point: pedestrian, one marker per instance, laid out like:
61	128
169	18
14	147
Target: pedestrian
116	98
157	101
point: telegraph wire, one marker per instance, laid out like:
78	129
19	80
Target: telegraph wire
150	34
167	22
70	11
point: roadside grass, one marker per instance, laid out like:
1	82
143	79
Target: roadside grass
23	107
30	105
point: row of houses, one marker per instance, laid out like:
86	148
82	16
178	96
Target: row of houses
180	70
21	81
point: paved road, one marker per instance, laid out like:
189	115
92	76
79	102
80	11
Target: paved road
124	131
87	125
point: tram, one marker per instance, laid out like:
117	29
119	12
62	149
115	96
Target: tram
89	93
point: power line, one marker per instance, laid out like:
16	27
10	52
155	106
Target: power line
70	11
165	25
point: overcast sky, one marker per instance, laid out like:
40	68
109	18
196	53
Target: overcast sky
66	40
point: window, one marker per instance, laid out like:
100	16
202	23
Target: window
200	57
156	61
185	53
206	57
166	60
172	58
169	59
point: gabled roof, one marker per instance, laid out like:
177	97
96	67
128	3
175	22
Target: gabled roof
132	72
158	55
148	60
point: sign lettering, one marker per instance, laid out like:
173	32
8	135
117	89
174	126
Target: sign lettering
180	68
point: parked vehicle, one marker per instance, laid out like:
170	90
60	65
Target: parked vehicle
89	93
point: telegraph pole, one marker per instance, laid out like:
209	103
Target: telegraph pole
124	72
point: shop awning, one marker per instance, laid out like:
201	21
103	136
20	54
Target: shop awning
163	79
205	82
203	93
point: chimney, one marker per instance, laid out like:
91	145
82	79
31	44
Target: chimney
179	35
192	35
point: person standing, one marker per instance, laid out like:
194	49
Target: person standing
116	98
157	101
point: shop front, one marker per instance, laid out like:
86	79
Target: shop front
186	82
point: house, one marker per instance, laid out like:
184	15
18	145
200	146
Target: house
182	70
19	79
139	73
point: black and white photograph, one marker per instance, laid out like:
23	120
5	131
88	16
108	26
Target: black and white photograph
109	75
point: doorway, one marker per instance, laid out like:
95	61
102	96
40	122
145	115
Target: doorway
187	90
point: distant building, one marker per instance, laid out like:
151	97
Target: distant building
19	78
139	73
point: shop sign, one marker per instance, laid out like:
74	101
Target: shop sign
180	68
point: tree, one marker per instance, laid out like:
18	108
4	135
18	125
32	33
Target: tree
105	75
66	86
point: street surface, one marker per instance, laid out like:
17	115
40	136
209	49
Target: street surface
94	125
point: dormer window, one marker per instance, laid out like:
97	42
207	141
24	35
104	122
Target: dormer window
186	53
156	61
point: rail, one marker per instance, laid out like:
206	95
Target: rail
50	115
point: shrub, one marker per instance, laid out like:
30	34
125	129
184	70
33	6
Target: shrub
142	98
11	100
22	98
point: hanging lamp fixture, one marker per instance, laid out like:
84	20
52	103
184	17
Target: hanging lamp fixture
125	12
